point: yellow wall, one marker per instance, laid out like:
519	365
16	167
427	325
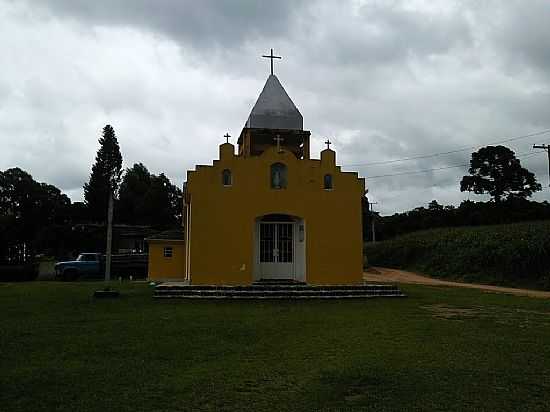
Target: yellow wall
163	268
222	219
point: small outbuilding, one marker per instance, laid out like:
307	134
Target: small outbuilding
167	255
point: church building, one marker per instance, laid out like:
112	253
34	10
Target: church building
266	210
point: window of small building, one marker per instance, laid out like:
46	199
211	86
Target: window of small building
168	252
278	176
327	182
227	178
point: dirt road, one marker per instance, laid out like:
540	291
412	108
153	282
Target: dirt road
377	274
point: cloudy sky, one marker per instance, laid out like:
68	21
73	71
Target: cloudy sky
383	80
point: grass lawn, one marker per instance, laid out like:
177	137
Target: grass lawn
439	349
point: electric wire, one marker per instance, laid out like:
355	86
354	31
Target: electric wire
427	156
412	172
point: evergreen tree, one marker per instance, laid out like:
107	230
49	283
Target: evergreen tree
105	176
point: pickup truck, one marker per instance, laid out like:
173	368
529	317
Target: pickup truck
92	266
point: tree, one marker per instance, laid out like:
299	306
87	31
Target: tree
434	206
26	207
496	170
29	202
147	199
164	202
105	176
135	185
79	212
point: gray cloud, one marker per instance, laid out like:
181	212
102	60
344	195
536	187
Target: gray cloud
202	23
382	79
520	32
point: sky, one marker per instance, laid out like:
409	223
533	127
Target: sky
383	80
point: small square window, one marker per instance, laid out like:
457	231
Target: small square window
168	252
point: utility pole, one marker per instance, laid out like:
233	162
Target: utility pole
371	204
547	148
108	252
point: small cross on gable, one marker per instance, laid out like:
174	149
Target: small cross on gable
227	136
328	143
279	140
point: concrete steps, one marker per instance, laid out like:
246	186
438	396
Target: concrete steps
278	282
275	290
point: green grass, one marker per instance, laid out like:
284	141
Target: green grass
439	349
512	255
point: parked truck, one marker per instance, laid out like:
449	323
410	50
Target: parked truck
92	266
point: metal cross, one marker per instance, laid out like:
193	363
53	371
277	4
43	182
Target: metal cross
279	139
227	136
328	143
271	56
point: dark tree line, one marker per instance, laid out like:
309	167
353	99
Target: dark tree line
37	218
26	208
468	213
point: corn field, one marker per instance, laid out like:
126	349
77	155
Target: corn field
513	254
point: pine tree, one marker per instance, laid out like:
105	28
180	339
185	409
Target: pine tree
105	176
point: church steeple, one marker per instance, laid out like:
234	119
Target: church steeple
274	118
274	109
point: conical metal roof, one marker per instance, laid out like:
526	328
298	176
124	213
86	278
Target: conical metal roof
274	109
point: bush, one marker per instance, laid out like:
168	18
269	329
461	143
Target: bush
513	254
18	273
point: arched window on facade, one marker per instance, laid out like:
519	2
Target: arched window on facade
226	177
278	176
327	182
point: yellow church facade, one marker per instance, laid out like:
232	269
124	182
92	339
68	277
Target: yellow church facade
266	210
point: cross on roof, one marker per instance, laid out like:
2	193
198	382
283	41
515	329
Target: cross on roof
279	140
328	143
227	136
271	56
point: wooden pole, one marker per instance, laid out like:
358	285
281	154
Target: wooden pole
547	148
108	251
372	221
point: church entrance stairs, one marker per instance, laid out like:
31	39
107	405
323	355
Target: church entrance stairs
278	289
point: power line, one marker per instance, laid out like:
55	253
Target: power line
417	171
426	156
523	155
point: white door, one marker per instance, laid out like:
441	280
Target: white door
276	247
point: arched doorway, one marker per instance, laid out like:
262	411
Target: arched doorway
280	247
